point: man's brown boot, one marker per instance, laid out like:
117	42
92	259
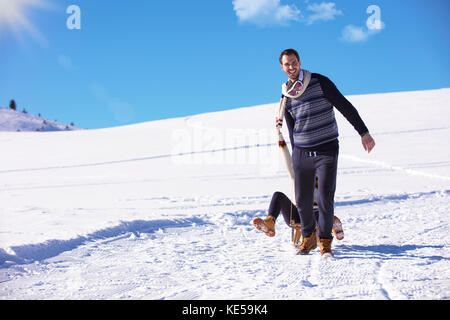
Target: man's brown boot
266	225
296	233
325	247
308	244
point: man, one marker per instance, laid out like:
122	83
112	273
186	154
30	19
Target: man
309	99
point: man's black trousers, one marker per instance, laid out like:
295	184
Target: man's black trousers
306	165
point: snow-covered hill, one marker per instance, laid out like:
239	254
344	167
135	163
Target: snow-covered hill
163	209
12	120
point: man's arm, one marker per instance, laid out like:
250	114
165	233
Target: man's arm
344	106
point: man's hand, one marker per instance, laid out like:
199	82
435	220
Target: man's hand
368	142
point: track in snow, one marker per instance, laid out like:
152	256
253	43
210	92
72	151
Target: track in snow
224	257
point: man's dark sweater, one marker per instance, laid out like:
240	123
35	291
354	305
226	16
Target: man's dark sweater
310	118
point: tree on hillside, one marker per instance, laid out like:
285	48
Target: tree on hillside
12	104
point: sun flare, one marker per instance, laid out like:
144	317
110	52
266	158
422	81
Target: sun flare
13	16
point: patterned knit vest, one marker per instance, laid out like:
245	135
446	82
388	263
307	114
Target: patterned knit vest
315	122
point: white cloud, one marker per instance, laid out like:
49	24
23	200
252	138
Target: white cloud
324	11
265	12
269	12
353	33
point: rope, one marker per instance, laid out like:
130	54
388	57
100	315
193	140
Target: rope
286	155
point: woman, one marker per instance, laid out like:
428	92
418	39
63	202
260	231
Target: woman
281	203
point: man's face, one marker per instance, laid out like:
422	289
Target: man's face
291	66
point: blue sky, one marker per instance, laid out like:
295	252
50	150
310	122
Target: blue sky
143	60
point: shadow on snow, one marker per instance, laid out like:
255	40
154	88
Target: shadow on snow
387	252
37	252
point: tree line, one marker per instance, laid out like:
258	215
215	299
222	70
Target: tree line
13	106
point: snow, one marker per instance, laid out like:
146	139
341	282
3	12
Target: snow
12	120
163	209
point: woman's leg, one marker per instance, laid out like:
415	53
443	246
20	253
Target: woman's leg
281	203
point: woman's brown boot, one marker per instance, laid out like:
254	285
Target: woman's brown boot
266	225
